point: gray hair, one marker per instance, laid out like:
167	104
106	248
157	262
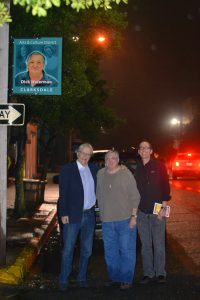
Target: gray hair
85	145
112	152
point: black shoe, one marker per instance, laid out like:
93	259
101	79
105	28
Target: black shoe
112	284
83	284
62	288
124	286
161	279
146	280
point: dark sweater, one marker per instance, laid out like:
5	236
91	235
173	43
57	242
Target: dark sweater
153	184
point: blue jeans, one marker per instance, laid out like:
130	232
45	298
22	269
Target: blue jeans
152	235
120	250
70	235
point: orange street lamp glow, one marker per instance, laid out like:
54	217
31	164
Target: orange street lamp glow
101	39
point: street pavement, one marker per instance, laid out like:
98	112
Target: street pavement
26	236
183	227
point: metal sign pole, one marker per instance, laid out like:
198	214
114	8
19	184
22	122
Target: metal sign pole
4	40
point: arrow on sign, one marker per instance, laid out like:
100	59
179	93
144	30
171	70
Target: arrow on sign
10	114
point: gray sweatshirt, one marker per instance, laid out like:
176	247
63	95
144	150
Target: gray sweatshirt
117	194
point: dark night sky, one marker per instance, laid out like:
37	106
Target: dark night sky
157	68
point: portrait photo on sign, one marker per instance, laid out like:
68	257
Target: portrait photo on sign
37	66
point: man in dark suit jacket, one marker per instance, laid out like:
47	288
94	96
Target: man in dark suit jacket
77	184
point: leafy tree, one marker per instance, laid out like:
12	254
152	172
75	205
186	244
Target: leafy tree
81	107
39	7
4	14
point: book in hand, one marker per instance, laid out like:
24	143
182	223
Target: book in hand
157	209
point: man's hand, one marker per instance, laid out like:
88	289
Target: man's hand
132	222
65	219
161	213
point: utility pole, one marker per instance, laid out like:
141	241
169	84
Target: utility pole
4	46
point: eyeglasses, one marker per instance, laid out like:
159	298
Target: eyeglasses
144	148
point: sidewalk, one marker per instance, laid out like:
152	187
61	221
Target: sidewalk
26	236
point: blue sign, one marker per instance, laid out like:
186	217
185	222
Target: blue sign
37	67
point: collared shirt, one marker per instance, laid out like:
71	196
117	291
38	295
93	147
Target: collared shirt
88	186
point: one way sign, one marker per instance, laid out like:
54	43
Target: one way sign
12	114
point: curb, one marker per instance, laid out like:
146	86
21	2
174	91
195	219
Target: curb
16	273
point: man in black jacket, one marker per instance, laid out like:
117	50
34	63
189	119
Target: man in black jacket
77	199
153	185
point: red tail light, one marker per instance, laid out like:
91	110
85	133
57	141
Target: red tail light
177	164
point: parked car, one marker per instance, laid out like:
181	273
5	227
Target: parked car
186	165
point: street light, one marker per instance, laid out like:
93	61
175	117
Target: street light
176	123
101	39
96	38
